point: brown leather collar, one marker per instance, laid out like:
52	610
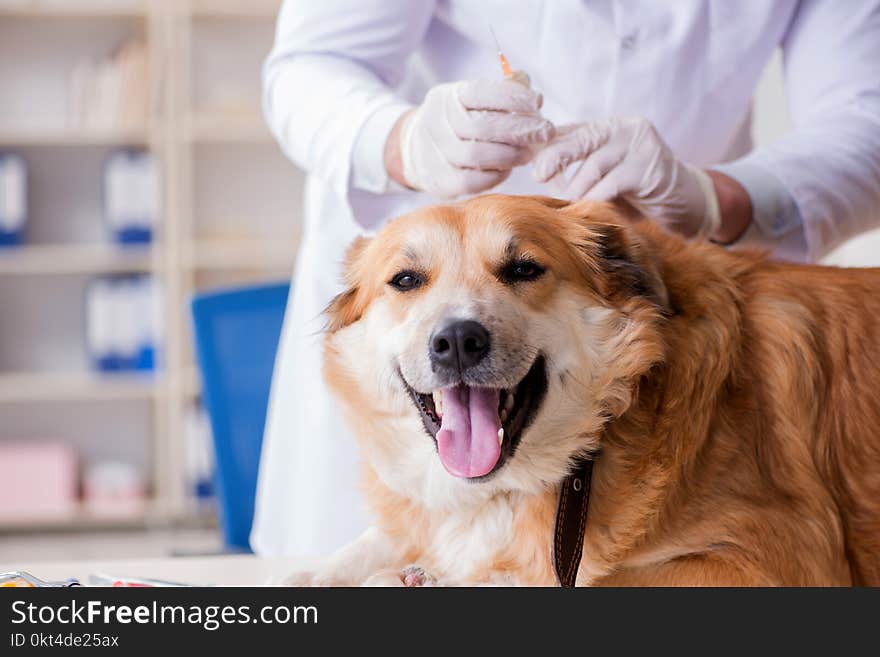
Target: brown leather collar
571	521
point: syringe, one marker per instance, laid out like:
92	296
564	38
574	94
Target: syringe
517	76
557	182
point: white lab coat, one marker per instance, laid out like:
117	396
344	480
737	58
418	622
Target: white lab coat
343	71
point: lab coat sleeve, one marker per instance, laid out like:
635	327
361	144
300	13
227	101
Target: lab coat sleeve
328	84
829	164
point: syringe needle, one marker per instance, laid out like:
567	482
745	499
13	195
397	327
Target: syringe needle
505	66
495	37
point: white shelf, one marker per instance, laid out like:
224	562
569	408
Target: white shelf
229	129
74	386
68	9
83	518
35	135
238	254
77	259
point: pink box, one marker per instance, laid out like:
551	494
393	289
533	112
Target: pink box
38	481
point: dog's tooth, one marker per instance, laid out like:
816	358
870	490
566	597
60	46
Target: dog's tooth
501	435
508	402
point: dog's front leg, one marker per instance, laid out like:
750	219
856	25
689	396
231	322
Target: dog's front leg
409	576
370	553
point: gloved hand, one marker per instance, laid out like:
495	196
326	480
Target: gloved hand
465	137
626	158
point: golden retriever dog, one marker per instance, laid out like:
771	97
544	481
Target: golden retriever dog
731	403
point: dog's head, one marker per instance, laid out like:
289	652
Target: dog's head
482	346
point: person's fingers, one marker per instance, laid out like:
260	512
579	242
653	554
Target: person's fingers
503	127
498	95
553	158
486	155
567	129
571	146
593	169
463	180
613	184
565	149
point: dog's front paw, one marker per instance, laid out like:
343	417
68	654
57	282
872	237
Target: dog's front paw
411	575
414	575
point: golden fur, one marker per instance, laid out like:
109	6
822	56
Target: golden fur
736	419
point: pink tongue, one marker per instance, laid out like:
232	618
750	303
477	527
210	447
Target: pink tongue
468	435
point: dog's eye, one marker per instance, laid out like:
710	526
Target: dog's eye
521	270
406	280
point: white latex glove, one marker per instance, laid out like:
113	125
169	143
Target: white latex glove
626	158
465	137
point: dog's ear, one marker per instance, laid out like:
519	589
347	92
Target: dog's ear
624	258
629	265
348	306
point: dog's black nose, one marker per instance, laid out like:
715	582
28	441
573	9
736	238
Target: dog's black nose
460	345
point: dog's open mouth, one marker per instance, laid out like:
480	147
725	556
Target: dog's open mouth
477	429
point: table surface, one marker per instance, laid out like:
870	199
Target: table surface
225	570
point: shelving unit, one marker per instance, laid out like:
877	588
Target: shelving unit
231	206
57	136
78	9
258	9
21	387
235	129
83	519
240	254
53	259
